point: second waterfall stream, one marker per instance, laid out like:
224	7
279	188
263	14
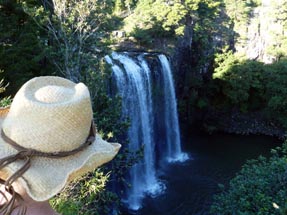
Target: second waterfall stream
145	83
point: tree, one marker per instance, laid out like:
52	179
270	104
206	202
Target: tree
168	18
278	42
77	32
241	81
21	54
119	6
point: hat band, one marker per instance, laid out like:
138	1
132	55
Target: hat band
26	154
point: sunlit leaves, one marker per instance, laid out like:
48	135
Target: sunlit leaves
251	85
259	188
163	18
223	64
85	196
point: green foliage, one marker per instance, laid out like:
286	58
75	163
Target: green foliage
86	196
77	33
242	81
260	188
21	54
157	18
168	18
276	90
122	5
252	86
240	11
209	24
144	37
2	86
119	6
223	63
240	14
5	102
278	48
202	103
278	41
107	109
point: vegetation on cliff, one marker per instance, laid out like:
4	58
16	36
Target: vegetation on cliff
243	71
250	86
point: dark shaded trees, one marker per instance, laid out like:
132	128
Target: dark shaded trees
22	55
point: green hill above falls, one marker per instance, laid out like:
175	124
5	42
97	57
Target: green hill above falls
254	28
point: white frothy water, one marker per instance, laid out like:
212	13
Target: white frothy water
135	90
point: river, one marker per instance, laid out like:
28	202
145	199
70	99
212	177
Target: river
214	159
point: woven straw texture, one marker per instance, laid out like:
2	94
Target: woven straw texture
52	114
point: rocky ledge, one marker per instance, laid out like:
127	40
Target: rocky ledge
242	123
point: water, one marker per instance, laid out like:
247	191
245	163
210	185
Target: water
174	152
157	130
134	89
191	185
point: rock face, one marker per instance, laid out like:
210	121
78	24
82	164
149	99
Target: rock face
241	123
260	36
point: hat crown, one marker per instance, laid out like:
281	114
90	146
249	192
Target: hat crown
53	94
49	114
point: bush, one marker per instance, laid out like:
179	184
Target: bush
276	91
260	188
248	86
242	81
86	196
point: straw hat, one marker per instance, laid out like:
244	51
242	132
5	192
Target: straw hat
51	115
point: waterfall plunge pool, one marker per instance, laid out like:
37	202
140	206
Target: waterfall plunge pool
189	186
164	182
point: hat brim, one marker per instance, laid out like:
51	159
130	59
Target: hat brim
48	176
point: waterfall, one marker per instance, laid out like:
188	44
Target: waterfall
134	80
174	152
